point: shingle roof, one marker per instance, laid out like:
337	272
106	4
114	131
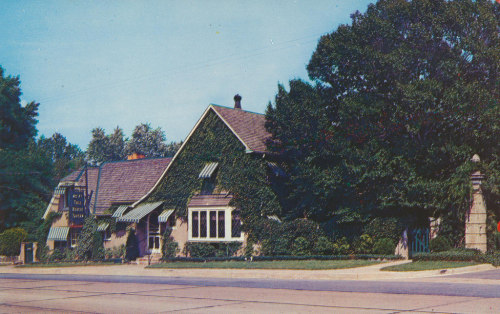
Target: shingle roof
248	126
127	181
210	200
72	176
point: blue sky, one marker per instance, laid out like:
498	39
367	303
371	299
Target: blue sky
121	63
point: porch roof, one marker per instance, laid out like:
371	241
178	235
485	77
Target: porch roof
120	210
58	233
210	200
164	216
139	212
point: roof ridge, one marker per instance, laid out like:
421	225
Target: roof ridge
262	114
132	160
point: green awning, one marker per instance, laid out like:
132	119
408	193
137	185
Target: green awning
208	170
103	226
58	233
119	211
164	216
139	212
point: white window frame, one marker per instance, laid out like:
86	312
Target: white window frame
73	236
227	224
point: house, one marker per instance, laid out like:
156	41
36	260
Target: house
99	191
193	198
189	197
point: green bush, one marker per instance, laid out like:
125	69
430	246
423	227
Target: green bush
300	247
439	244
249	251
131	246
10	241
363	245
380	228
384	246
203	250
57	255
323	246
170	248
341	247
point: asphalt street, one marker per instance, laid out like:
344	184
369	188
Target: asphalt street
388	287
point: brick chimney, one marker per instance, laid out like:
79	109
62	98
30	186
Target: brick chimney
237	101
135	156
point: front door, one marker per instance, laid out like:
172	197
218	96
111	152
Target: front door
153	233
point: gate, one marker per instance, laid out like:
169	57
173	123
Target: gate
419	241
28	253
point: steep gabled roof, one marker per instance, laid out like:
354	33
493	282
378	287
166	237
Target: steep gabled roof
126	181
248	126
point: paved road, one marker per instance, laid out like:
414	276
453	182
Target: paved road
133	295
389	287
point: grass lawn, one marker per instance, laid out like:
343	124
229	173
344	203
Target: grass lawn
306	264
63	264
427	265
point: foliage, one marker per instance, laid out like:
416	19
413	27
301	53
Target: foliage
323	246
384	246
90	244
204	250
244	175
403	97
286	258
10	241
385	227
300	247
341	246
146	141
439	244
450	255
17	122
115	252
363	244
104	147
131	246
65	156
278	238
170	248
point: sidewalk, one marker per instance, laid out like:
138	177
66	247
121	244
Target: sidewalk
360	273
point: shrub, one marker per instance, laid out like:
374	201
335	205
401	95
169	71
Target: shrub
439	244
90	244
57	255
10	241
384	246
199	249
381	227
459	255
170	248
132	246
300	246
364	244
323	246
341	247
249	251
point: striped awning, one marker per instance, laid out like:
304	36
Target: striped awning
119	211
140	211
58	233
60	190
274	217
164	216
208	170
103	226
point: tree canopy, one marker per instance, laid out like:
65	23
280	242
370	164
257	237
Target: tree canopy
403	97
145	140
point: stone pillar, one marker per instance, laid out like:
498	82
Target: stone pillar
475	220
402	247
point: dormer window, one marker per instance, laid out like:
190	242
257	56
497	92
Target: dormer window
208	174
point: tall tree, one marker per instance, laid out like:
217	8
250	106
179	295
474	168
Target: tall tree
104	147
17	122
65	156
147	141
414	93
